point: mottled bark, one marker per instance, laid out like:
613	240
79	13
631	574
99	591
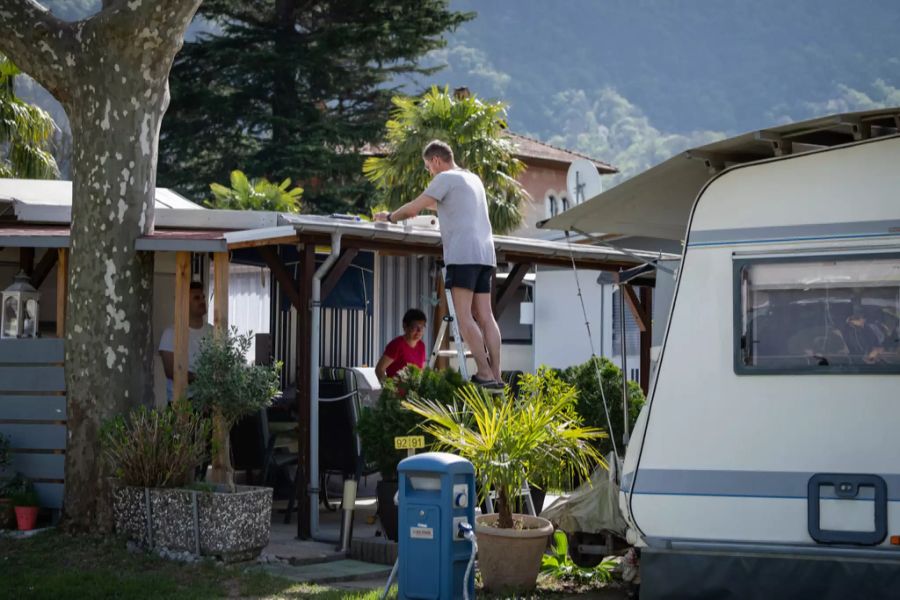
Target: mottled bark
110	73
222	469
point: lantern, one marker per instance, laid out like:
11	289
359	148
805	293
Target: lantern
20	309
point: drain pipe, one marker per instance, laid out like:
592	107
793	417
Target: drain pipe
315	325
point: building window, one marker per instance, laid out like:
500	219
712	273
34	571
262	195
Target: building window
836	314
565	203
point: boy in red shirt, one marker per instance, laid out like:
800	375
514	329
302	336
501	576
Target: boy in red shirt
406	349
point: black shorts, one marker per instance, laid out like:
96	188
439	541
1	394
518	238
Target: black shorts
471	277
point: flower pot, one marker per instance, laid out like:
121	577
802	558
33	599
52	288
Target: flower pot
509	559
387	510
26	517
232	526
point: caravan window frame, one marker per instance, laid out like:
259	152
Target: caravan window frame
739	266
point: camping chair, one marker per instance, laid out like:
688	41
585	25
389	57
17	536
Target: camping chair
249	438
340	449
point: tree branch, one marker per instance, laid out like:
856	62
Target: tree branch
37	42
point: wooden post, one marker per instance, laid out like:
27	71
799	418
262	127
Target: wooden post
62	290
220	299
440	311
303	380
181	324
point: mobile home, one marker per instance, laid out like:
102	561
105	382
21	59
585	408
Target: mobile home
766	462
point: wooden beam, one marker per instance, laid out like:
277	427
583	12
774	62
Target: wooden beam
508	291
62	290
282	275
220	283
43	268
181	323
26	260
340	266
289	240
640	315
303	380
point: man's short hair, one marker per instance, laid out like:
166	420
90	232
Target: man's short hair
196	285
438	148
414	315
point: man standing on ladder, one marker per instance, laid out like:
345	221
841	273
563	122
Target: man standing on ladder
461	203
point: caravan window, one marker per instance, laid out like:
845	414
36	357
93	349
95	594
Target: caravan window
834	315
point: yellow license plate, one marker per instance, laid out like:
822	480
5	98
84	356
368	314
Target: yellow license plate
408	442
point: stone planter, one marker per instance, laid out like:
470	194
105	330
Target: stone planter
509	559
233	527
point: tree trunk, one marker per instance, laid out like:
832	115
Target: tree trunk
110	72
222	470
504	509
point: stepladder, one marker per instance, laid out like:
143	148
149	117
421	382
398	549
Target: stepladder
450	324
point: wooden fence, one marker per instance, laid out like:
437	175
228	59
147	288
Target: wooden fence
33	412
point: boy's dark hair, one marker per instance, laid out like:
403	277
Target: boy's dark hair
439	149
413	315
196	285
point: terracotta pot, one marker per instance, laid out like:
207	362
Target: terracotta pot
26	517
509	559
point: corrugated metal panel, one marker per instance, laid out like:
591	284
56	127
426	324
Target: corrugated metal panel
405	282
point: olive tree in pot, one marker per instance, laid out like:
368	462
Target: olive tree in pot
380	424
509	440
226	388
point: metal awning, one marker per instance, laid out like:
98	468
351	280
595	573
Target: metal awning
657	203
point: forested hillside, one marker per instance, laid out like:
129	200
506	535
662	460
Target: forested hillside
634	81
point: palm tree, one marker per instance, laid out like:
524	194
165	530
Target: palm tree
255	194
473	129
25	132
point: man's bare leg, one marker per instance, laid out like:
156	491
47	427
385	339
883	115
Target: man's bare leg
481	307
470	331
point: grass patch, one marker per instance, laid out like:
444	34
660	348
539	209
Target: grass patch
60	566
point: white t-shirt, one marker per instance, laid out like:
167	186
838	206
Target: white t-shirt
167	344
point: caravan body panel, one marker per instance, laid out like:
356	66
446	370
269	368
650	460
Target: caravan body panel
731	436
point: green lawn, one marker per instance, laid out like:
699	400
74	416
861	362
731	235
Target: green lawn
59	566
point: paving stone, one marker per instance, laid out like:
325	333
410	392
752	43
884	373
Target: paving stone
328	572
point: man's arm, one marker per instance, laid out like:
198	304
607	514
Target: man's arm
168	361
410	209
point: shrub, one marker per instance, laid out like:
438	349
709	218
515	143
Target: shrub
590	401
156	448
4	451
379	425
25	496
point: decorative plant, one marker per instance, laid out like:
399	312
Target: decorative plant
557	564
25	497
255	194
227	388
511	440
590	400
379	425
156	448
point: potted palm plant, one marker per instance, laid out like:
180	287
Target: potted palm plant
509	440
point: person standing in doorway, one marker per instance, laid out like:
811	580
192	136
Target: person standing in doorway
461	203
198	328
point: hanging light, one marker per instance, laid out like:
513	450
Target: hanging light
20	309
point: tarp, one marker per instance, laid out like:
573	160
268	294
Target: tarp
592	508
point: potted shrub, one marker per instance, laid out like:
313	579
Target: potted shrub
227	388
155	455
380	424
509	440
25	502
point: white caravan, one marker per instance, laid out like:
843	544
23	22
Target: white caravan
766	462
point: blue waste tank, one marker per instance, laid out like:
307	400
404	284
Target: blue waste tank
436	493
